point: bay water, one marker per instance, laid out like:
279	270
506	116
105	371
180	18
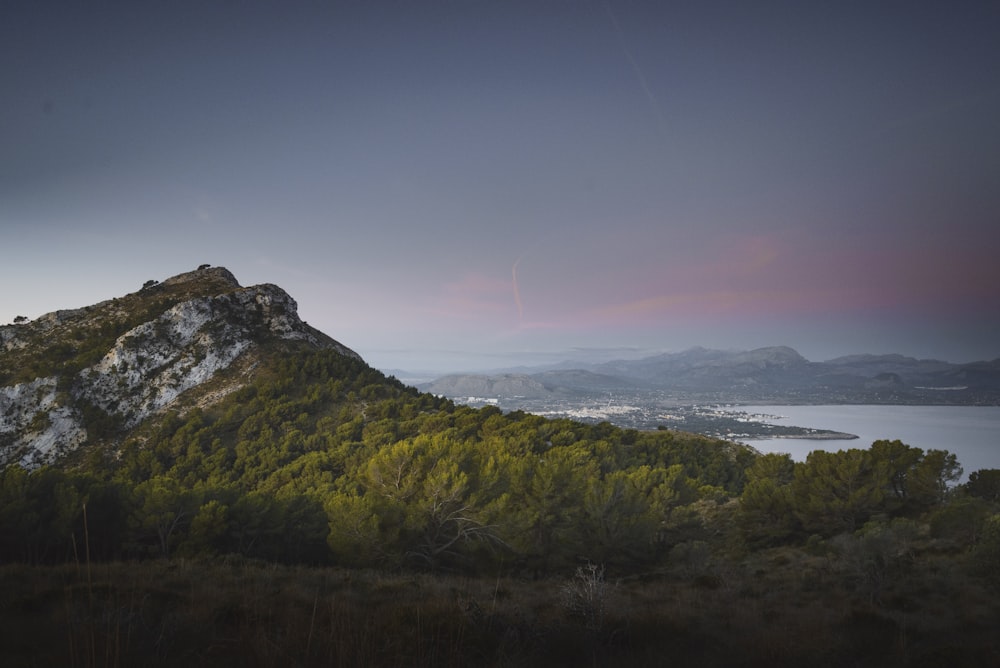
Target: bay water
972	433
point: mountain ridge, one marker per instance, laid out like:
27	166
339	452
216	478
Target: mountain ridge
774	374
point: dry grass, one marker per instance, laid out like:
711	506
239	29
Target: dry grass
783	608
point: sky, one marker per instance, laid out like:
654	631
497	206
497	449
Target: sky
472	184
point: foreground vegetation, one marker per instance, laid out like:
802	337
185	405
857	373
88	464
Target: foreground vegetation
779	607
246	534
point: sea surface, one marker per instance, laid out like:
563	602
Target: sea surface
972	433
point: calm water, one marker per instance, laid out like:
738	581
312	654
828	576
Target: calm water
971	432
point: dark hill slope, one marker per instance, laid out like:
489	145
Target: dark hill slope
196	417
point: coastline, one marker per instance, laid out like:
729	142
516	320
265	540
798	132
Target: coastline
817	436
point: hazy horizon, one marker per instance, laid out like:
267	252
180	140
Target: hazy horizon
427	364
443	184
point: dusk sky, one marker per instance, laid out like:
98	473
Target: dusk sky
472	184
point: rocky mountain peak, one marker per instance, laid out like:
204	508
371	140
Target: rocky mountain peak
205	273
130	358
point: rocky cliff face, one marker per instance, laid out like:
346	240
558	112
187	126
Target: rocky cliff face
124	360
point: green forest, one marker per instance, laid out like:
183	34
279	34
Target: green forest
323	465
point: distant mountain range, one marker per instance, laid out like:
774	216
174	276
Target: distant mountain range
773	374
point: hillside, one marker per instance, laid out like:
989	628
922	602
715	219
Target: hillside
547	384
195	404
